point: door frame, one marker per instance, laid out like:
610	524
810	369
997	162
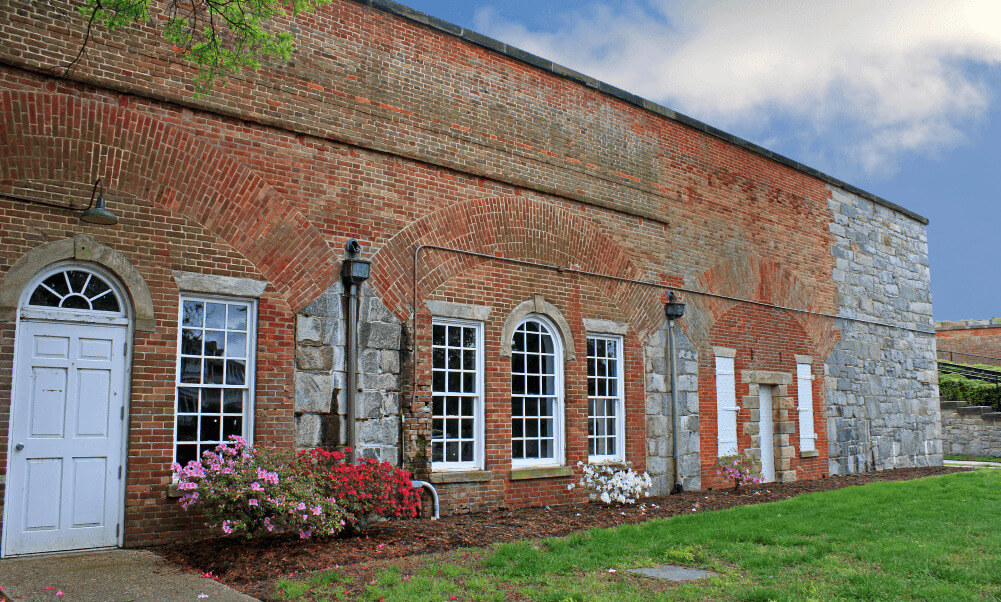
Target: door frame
25	314
766	392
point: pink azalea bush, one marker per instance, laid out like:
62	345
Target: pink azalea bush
743	470
252	491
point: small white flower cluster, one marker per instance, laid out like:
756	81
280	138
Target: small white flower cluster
615	483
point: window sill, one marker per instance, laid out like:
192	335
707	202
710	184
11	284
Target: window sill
813	453
545	472
465	476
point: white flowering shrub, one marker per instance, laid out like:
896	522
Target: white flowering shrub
615	483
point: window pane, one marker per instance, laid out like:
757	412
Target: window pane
467	451
236	344
215	315
211	399
187	400
437	451
186	453
454	359
437	334
57	282
213	371
192	313
451	451
215	342
232	426
467	382
469	360
454	336
191	370
186	427
232	401
77	280
106	302
75	302
236	372
191	342
209	428
43	297
236	317
469	338
438	382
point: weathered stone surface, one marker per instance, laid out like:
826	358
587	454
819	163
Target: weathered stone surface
315	358
660	464
882	407
313	392
970	434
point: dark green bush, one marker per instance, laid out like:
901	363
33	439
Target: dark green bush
954	387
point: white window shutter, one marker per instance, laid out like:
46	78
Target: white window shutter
804	389
726	407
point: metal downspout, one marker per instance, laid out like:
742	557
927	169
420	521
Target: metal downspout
351	369
677	488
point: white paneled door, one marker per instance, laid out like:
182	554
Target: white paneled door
64	481
766	431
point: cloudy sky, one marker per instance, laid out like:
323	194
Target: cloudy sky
902	99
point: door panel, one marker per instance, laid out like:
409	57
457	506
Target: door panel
64	490
48	401
94	399
766	432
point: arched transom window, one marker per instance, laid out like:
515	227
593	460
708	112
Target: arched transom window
75	288
536	394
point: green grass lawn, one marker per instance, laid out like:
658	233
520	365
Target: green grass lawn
937	538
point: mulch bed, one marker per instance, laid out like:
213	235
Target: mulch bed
252	566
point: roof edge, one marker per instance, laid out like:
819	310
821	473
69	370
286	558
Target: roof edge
468	35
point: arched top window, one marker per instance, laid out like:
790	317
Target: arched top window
536	393
78	289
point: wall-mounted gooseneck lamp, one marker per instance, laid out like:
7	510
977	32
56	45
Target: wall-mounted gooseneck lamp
674	310
97	213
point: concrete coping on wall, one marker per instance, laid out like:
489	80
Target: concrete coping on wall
960	407
558	70
967	324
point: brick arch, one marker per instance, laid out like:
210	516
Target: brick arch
758	279
70	142
515	228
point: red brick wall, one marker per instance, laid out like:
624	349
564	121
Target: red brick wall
978	345
765	339
396	135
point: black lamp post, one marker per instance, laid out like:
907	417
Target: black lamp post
354	272
674	310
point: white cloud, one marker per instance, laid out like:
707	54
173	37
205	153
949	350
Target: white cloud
877	80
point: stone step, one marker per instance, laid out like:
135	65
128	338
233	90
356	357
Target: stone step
974	409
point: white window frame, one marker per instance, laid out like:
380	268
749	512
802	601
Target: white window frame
619	398
804	396
478	401
726	403
559	437
251	366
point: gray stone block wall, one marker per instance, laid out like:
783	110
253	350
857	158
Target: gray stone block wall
881	381
659	446
970	431
320	378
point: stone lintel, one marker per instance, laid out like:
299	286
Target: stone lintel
459	311
195	282
597	326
